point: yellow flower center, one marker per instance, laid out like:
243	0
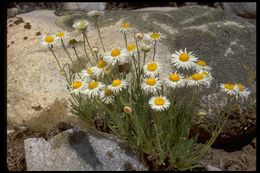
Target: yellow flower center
159	101
76	84
125	25
60	34
201	63
152	66
115	52
49	39
151	81
116	83
155	35
205	74
184	57
240	87
174	77
131	47
229	86
197	77
108	92
90	71
92	85
101	64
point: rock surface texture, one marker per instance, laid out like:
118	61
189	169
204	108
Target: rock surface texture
243	9
76	150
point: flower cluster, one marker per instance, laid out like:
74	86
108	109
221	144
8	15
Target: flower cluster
237	90
130	84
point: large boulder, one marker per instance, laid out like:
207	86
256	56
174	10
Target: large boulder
77	150
243	9
36	91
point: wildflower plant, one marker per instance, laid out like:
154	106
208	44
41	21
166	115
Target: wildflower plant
153	113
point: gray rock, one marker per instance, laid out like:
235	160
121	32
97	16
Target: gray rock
243	9
79	150
84	6
11	12
212	168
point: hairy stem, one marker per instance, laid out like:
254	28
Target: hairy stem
88	44
63	45
154	50
55	57
125	40
99	34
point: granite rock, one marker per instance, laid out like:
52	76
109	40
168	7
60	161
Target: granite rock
243	9
77	150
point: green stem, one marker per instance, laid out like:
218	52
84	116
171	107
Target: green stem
76	53
154	50
135	64
88	44
138	55
55	57
84	43
63	45
99	34
96	57
125	40
144	58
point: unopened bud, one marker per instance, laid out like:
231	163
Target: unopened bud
127	109
95	49
146	47
138	36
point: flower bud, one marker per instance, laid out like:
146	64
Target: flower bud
138	36
95	49
127	109
146	47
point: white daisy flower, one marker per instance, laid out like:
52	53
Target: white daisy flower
183	59
86	74
99	68
201	65
152	69
62	35
154	36
95	13
107	96
77	86
241	91
151	85
198	79
81	24
114	56
131	50
159	103
48	40
93	88
206	74
117	85
126	28
228	88
175	80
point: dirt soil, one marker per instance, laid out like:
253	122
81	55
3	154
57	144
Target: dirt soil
243	159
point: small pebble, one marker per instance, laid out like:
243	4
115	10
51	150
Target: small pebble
10	131
38	33
27	26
